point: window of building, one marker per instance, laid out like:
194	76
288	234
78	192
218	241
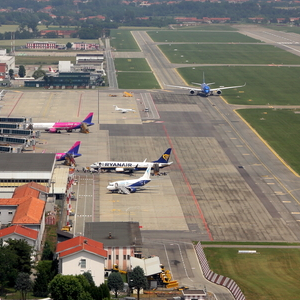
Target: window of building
124	256
117	257
10	212
109	257
83	263
128	257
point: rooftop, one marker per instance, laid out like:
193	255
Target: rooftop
20	230
114	234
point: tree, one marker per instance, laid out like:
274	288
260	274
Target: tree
40	286
89	278
104	291
67	287
137	280
37	74
69	45
47	252
23	284
115	282
11	73
22	71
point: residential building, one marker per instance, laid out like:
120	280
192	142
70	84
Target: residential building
79	255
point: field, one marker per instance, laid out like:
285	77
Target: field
122	40
131	64
228	54
265	85
280	128
8	28
200	36
205	27
137	80
43	60
269	275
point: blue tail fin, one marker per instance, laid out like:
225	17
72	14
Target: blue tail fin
88	119
75	148
165	157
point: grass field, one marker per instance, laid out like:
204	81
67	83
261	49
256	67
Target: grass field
43	60
137	80
205	27
131	64
199	36
122	40
269	275
280	129
8	28
228	54
265	85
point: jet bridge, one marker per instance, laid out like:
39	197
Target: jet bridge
11	125
23	142
10	149
15	120
27	133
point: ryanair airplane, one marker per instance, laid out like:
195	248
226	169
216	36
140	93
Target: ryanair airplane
162	162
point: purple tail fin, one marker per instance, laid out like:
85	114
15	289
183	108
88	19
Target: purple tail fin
88	119
75	148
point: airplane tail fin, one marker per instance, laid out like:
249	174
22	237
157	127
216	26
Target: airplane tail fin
146	175
165	157
116	107
88	119
75	148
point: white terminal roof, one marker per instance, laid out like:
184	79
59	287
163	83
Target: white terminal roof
150	265
59	180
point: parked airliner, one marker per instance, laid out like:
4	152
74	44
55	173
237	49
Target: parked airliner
58	126
130	186
73	152
118	166
205	89
123	110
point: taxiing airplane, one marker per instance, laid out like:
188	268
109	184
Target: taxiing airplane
162	162
58	126
130	186
205	89
123	110
73	152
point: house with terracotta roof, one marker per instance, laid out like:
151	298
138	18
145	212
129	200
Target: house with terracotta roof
17	232
26	208
80	255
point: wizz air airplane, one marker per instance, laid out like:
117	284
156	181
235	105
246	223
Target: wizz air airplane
58	126
205	89
162	162
130	186
123	110
73	152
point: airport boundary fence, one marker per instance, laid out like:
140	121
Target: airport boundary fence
216	278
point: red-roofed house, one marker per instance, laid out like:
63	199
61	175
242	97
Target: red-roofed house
17	232
81	254
25	209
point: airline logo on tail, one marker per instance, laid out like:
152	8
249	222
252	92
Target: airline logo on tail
73	151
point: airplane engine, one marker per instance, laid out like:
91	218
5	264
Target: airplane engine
192	92
219	92
132	190
52	130
119	169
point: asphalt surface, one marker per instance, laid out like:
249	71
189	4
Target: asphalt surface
224	184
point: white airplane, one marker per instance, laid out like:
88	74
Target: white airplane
122	166
2	93
130	186
205	88
123	110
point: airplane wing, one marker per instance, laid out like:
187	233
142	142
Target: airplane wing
184	87
227	87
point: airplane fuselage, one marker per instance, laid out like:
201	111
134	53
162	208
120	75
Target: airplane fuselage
124	166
